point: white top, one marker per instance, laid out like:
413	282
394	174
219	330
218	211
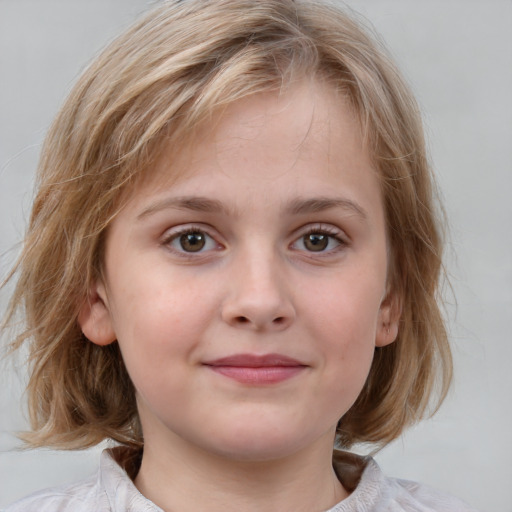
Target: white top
112	490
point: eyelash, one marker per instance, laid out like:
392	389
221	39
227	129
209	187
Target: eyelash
331	233
190	230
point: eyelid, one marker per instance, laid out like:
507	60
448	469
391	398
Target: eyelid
322	227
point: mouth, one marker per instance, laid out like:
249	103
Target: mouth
257	369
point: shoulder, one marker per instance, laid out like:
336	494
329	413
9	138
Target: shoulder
413	496
372	491
77	497
110	490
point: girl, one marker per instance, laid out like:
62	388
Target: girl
232	262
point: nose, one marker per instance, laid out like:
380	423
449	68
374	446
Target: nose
259	297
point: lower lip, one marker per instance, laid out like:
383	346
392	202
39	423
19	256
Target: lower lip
260	375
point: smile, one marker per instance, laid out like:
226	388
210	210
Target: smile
257	370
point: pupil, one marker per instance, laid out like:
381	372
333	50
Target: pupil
192	242
316	242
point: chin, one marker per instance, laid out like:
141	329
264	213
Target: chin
259	444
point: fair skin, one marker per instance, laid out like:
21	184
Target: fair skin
247	297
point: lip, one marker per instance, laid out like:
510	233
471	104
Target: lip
257	369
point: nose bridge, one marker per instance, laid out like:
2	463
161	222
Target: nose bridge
259	296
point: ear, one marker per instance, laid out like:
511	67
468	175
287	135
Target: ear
389	317
94	317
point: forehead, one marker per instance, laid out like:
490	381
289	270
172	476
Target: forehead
309	120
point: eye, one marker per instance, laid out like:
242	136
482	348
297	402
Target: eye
316	242
319	240
191	240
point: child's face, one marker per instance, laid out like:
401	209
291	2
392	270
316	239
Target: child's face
248	296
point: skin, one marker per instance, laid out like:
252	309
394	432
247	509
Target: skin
276	173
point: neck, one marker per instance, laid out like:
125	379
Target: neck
187	479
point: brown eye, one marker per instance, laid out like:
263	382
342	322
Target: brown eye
192	242
316	242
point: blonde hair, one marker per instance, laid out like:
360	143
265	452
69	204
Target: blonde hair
155	84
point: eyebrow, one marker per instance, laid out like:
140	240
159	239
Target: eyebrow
319	204
189	203
298	206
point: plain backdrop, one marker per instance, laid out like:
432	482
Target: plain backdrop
457	55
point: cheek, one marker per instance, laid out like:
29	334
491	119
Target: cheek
348	359
345	319
158	320
349	305
156	305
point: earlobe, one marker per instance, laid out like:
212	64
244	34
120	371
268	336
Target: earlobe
389	317
386	334
94	317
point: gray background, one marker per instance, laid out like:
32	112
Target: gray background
457	55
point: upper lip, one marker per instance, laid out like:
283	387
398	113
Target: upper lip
255	361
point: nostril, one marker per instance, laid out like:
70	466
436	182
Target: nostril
241	319
279	320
